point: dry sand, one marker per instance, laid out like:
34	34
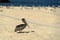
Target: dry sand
44	21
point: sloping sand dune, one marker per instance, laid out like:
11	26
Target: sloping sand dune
44	21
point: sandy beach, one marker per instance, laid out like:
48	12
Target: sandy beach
44	21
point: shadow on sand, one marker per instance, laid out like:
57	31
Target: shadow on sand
26	32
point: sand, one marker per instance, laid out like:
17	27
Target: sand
44	23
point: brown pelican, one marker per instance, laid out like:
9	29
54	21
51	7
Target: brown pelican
21	26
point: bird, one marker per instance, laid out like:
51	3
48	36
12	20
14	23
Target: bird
20	27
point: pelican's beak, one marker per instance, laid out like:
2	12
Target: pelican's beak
27	25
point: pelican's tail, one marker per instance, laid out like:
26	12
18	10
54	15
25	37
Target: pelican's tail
15	30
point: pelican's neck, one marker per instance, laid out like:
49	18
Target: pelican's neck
24	22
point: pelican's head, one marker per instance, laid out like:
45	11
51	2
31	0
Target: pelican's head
23	20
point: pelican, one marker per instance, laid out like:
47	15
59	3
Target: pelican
21	26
